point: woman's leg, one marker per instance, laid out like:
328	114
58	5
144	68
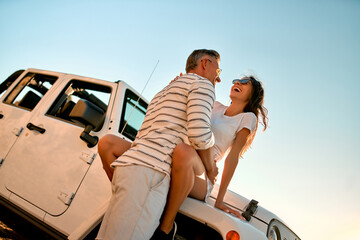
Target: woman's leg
187	177
110	147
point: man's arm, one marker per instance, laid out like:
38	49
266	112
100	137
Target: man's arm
199	106
200	103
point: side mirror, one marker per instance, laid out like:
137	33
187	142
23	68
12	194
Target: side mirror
89	115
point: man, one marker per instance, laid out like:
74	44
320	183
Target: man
180	113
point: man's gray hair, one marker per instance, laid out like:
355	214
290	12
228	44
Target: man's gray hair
192	60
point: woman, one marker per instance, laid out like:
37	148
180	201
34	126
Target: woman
234	128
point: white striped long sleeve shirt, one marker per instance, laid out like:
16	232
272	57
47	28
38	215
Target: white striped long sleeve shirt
180	113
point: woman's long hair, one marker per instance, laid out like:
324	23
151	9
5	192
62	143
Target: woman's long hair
256	106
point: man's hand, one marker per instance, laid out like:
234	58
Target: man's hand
212	175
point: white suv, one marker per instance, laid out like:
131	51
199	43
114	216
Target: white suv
51	173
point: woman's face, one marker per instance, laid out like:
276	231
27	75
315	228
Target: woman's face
241	91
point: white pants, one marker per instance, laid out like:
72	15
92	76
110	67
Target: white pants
138	199
209	188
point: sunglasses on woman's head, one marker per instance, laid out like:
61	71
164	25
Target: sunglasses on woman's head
245	80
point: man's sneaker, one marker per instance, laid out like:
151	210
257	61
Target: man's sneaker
160	235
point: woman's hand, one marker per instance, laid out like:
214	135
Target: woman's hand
227	209
176	78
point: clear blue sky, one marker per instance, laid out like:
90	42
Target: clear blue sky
305	167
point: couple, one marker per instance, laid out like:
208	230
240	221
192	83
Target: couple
184	133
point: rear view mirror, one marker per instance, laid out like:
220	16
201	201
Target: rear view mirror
89	115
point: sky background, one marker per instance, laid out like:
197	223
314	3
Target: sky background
305	166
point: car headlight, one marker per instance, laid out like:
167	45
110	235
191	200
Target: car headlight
277	231
274	234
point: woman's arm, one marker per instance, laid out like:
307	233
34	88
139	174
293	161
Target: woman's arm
229	169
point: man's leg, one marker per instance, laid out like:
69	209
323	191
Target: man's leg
110	147
187	177
139	197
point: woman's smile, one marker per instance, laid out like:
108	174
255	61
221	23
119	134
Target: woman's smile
236	89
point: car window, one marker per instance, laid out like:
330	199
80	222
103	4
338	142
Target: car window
75	90
30	90
6	84
133	114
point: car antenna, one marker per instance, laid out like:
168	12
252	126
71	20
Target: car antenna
139	97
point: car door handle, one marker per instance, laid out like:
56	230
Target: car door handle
36	128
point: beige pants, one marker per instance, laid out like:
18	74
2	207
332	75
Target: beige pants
138	200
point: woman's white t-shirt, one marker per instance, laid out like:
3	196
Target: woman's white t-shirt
225	128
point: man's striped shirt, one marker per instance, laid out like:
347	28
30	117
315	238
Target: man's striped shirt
180	113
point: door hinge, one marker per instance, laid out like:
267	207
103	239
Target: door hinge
250	210
66	197
1	161
88	157
17	131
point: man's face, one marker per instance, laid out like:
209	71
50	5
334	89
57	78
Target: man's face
212	69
